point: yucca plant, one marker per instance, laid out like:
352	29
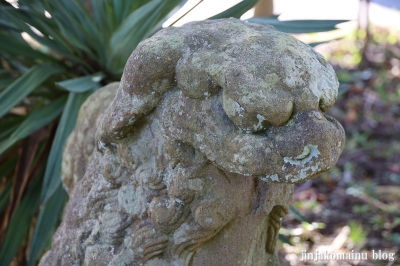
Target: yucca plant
54	54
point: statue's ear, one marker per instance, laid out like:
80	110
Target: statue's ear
148	74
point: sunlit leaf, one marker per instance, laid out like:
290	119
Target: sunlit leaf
24	85
16	47
82	84
298	26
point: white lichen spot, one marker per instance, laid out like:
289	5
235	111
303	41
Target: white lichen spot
309	152
199	137
209	220
303	162
179	201
131	120
273	177
259	126
101	145
303	173
239	109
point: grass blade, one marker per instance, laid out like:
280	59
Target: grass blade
237	10
48	218
24	85
52	177
34	121
18	230
81	84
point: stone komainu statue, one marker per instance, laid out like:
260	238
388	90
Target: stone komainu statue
193	161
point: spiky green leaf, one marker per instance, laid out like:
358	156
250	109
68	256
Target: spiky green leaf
48	218
5	196
136	27
18	229
293	211
8	126
82	84
284	239
237	10
7	167
24	85
52	177
37	119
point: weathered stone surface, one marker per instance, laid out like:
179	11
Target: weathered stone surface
197	154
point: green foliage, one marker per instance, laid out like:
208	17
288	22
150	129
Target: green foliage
357	233
20	223
53	55
68	50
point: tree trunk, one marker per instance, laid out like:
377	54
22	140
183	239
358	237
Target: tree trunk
264	8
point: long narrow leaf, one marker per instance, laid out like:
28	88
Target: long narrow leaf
7	167
81	84
8	126
46	223
284	239
34	121
5	196
15	48
237	10
24	85
137	26
298	26
18	229
24	20
293	211
5	82
52	177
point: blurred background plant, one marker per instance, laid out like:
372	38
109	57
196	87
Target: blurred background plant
357	204
53	55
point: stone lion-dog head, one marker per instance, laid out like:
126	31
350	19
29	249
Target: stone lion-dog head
194	160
